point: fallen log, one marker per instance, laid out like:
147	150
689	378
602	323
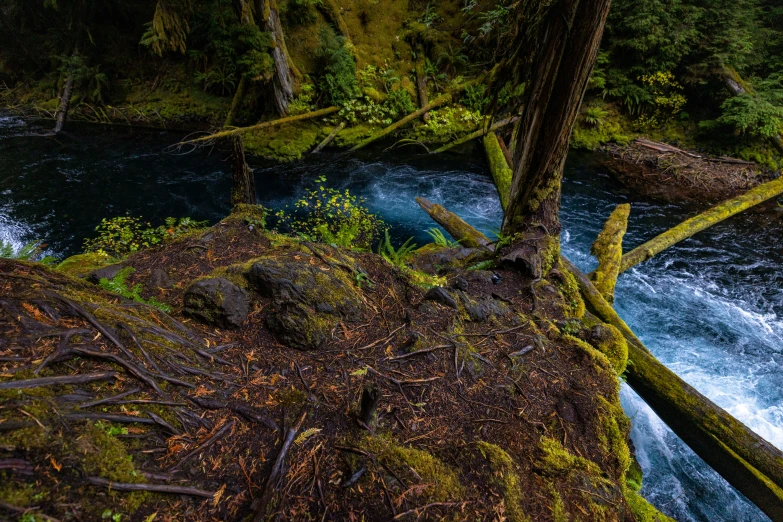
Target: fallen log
704	220
608	249
498	167
83	378
743	458
434	104
481	131
329	138
263	125
465	234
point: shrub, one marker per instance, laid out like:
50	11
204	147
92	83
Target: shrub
330	216
399	103
121	236
32	251
338	68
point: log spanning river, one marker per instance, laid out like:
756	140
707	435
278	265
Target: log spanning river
711	308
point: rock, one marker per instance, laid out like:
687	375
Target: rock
307	302
159	279
217	301
434	259
480	310
440	295
107	272
460	283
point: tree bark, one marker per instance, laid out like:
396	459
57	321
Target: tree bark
567	38
243	186
421	80
65	103
286	75
239	95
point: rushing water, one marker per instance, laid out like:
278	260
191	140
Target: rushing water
710	308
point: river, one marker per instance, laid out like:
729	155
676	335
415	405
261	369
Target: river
711	308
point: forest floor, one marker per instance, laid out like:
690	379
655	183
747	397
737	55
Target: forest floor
314	383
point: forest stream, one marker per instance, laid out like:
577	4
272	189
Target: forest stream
709	308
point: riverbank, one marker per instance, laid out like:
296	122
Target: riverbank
367	383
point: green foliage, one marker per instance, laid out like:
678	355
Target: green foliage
430	17
476	98
595	116
338	68
304	102
330	216
364	109
123	235
440	239
117	285
758	114
399	103
169	28
301	12
396	256
31	251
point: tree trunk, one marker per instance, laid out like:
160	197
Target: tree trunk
236	102
243	186
421	80
286	74
567	37
463	233
498	167
65	103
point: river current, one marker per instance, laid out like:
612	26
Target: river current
710	308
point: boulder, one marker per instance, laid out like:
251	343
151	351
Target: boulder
107	272
217	301
307	301
158	278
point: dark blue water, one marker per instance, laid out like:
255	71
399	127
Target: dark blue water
710	308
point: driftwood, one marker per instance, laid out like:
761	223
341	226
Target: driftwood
262	125
157	488
443	99
83	378
744	459
329	138
465	234
704	220
482	131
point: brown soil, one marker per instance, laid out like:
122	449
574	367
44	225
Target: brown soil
229	398
666	173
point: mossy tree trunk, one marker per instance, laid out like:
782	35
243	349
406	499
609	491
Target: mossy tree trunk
564	39
65	103
243	186
421	78
286	78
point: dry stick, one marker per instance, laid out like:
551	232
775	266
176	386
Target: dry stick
743	458
277	470
124	419
704	220
107	399
263	125
437	102
483	130
329	138
420	352
157	488
83	378
203	445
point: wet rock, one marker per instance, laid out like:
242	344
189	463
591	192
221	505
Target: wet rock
460	283
217	301
440	295
159	279
107	272
307	301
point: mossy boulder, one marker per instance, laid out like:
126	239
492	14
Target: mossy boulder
217	301
106	272
435	259
307	301
82	264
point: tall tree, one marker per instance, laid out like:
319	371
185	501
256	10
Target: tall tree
554	46
286	77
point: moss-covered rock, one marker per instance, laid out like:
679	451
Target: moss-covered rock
217	301
82	264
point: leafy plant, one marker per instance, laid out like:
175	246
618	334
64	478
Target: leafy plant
396	256
31	251
399	103
440	239
304	102
123	235
475	98
117	285
429	17
753	115
328	215
338	68
595	116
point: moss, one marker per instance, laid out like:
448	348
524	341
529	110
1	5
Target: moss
82	264
614	127
613	434
350	136
570	290
286	143
556	460
19	494
559	512
498	166
601	361
289	397
608	248
27	439
642	510
443	484
506	479
612	343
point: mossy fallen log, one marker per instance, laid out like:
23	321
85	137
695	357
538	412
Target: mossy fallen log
703	221
263	125
608	249
498	166
484	130
332	135
467	236
434	104
743	458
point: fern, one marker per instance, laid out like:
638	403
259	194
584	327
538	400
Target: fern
396	256
117	285
440	239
